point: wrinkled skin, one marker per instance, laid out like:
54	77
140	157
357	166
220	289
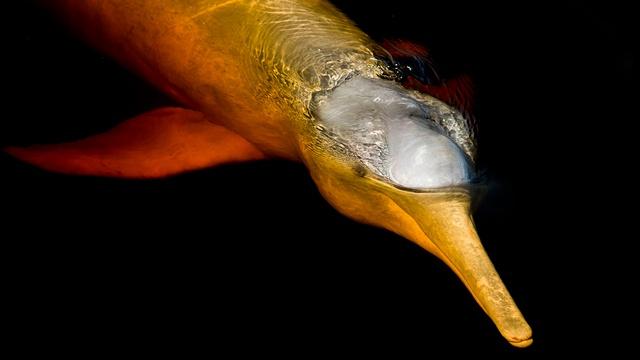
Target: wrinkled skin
248	72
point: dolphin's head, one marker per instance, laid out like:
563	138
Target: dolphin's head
403	161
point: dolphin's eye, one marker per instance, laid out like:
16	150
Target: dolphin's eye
359	170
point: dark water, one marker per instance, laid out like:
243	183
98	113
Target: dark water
209	261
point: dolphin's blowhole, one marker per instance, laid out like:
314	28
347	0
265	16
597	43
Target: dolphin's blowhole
393	134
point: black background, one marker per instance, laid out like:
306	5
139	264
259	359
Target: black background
249	257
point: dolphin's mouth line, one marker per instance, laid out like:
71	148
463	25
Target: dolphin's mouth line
448	261
521	343
447	231
463	189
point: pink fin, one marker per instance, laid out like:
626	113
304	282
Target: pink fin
158	143
457	91
401	48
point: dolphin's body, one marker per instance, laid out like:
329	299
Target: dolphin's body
295	80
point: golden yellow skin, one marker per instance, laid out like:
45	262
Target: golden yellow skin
438	221
254	66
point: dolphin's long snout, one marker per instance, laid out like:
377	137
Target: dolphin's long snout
450	234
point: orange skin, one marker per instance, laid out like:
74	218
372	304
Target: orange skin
247	72
197	53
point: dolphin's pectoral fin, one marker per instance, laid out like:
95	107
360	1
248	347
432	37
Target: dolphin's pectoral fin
158	143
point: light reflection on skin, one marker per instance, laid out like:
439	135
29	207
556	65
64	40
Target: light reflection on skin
246	73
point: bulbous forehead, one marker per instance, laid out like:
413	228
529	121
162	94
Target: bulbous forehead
409	141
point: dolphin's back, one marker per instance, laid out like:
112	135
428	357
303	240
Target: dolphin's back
253	65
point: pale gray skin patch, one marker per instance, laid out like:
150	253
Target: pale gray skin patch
397	136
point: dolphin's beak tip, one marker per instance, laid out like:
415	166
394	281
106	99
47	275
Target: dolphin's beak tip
522	338
521	343
448	231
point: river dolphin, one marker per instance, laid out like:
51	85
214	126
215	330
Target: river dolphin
294	80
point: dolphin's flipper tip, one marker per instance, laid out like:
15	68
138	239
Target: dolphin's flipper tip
159	143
